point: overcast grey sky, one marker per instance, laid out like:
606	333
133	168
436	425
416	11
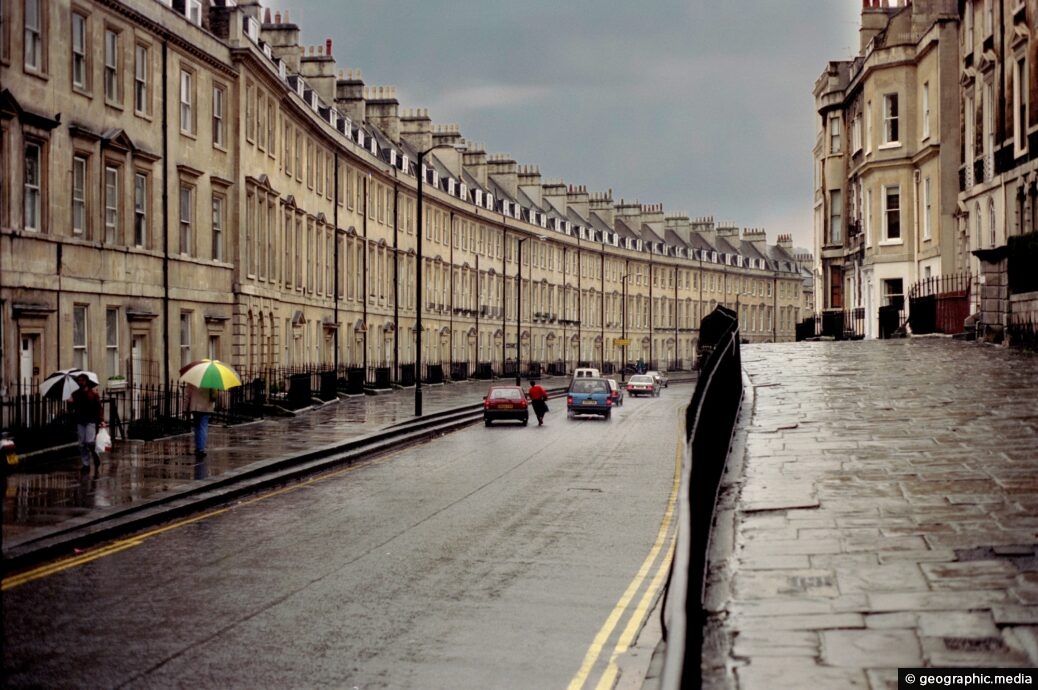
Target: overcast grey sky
705	107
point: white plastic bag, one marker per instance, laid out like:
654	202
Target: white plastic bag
103	441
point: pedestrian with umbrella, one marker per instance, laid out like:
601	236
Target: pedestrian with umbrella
88	414
204	378
62	383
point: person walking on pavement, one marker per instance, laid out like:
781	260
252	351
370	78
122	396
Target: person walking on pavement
200	404
88	414
539	398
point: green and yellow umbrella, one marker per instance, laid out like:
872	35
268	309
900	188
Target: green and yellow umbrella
210	373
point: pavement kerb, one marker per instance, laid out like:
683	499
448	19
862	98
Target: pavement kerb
82	532
209	492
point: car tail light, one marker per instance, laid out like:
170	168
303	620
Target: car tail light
569	399
522	403
609	401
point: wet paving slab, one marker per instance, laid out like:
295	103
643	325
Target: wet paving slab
42	499
882	512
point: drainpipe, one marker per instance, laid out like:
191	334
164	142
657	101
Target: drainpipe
601	311
652	315
396	279
479	308
675	311
364	263
504	294
450	314
165	216
335	287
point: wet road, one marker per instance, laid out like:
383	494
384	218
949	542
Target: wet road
502	557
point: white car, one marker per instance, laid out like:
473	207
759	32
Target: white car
642	384
661	378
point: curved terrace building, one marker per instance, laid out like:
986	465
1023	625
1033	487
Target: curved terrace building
183	179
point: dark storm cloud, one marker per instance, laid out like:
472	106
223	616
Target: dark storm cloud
703	106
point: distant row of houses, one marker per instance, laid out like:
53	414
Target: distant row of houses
184	179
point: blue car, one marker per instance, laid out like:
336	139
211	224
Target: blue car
589	396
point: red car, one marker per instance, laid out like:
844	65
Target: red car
505	402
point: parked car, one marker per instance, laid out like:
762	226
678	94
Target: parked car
505	402
661	378
589	396
642	384
617	392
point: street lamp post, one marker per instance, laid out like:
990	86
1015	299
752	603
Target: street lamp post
418	280
519	311
623	327
519	308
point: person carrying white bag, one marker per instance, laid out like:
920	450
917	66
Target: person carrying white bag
103	439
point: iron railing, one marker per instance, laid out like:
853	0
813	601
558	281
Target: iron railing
709	424
940	304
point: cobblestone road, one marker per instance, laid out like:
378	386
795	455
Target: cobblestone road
880	511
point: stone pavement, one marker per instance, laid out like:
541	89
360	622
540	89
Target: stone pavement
880	510
41	502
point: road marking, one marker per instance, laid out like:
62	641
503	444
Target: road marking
663	539
118	546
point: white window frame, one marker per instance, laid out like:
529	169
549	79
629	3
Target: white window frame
835	217
142	57
891	121
886	238
140	210
187	100
927	208
111	71
186	213
219	123
185	338
856	144
835	143
868	127
112	341
33	35
79	71
219	220
926	110
32	209
79	200
111	218
80	339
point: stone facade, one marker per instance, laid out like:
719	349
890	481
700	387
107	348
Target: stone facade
963	76
887	147
186	181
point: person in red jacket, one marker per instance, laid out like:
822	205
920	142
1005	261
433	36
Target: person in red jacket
539	398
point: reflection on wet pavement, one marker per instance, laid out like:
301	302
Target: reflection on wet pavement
136	471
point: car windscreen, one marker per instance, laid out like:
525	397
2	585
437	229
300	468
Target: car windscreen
505	394
589	386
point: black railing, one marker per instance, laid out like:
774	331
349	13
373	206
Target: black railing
839	324
709	424
940	304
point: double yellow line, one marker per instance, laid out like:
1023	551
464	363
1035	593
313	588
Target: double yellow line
136	540
636	616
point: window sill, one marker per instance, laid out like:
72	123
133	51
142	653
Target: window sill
891	243
890	145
